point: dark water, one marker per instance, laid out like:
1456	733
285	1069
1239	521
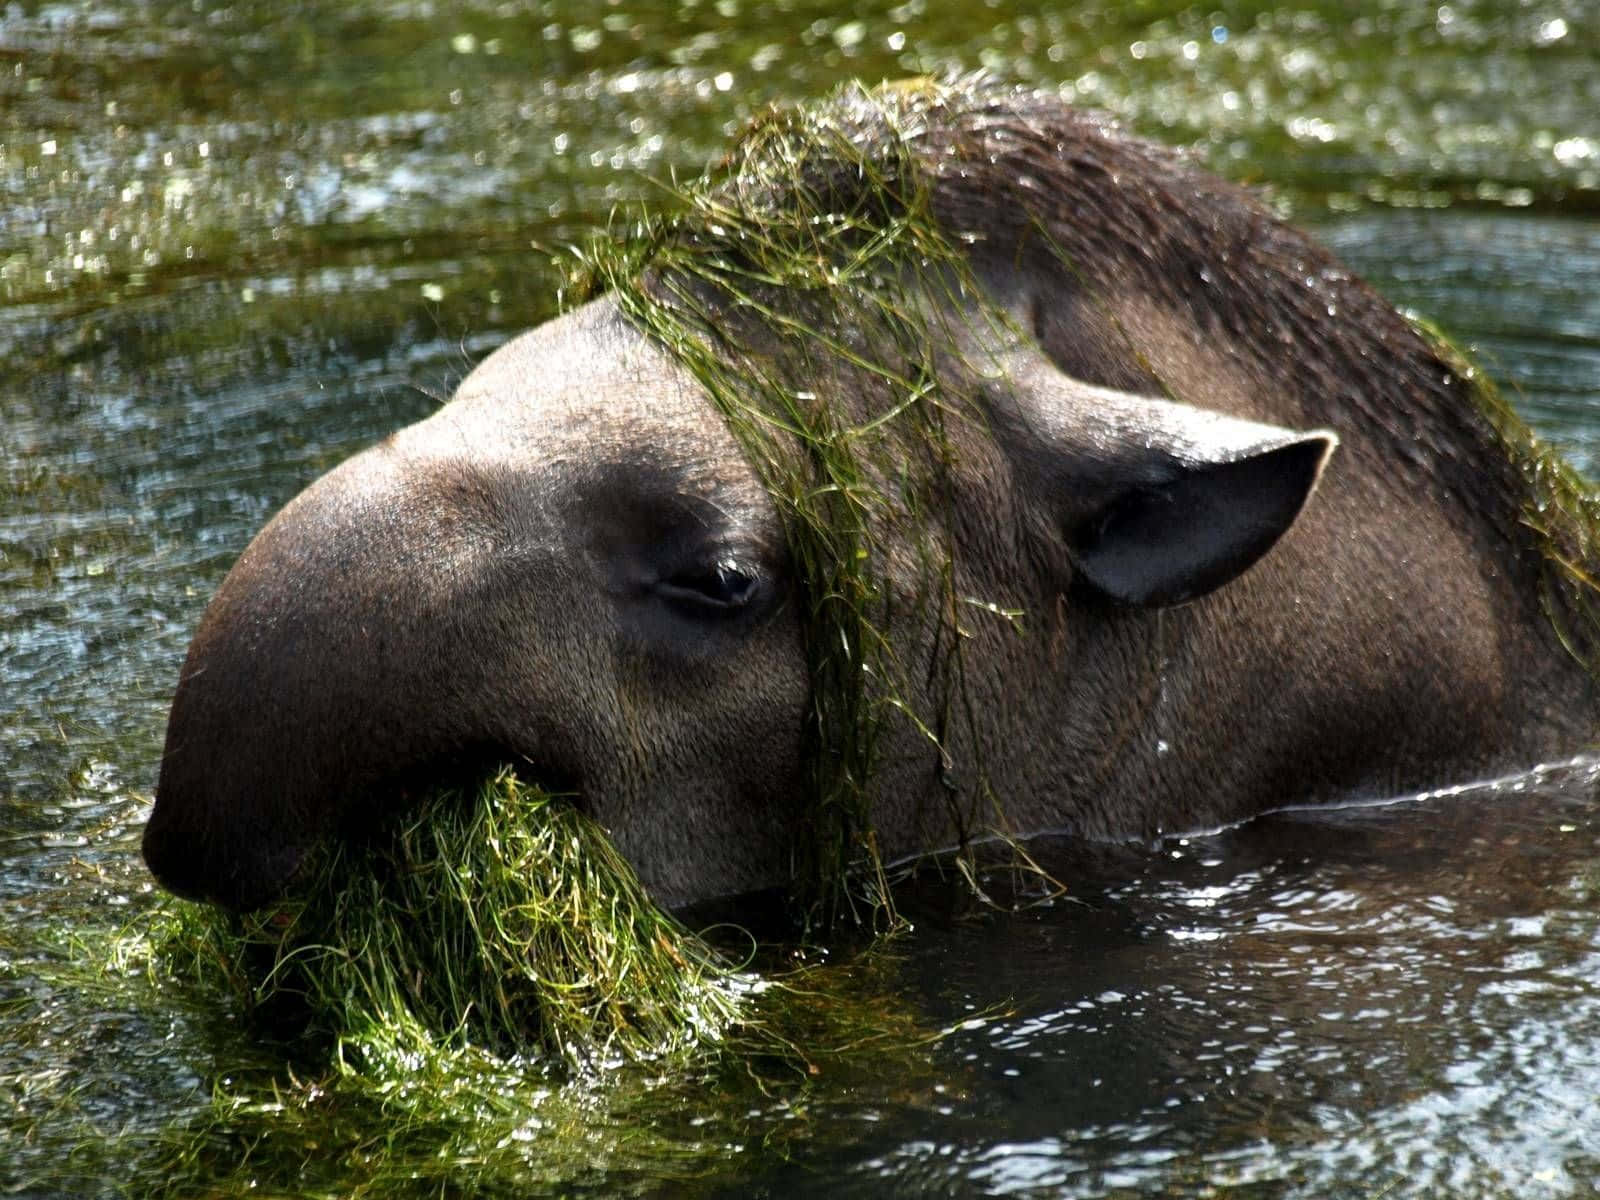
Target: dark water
238	242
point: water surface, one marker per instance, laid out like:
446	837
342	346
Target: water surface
239	242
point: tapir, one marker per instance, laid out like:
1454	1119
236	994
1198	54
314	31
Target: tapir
1218	530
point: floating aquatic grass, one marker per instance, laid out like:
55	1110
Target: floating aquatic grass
477	1000
501	919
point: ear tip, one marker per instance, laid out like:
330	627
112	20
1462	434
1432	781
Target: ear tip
1156	546
1320	443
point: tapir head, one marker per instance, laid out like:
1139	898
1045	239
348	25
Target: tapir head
568	568
573	567
579	567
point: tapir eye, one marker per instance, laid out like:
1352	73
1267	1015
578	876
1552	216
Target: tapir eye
720	587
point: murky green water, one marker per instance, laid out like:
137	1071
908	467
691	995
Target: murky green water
238	242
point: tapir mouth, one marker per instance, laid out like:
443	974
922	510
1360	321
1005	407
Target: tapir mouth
236	857
182	860
370	810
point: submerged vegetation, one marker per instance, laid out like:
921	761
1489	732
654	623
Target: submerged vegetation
479	996
503	920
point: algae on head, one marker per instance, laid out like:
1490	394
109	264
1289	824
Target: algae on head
806	285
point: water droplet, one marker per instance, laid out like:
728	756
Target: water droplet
850	34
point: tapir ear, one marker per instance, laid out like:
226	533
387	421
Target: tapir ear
1172	541
1160	501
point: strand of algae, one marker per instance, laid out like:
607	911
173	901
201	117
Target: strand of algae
504	920
806	285
477	997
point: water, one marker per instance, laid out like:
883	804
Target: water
1319	1004
238	242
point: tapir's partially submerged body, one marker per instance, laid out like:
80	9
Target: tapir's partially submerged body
953	462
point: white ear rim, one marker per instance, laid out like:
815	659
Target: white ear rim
1165	545
1114	460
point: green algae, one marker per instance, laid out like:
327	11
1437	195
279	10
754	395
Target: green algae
502	919
478	998
806	285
